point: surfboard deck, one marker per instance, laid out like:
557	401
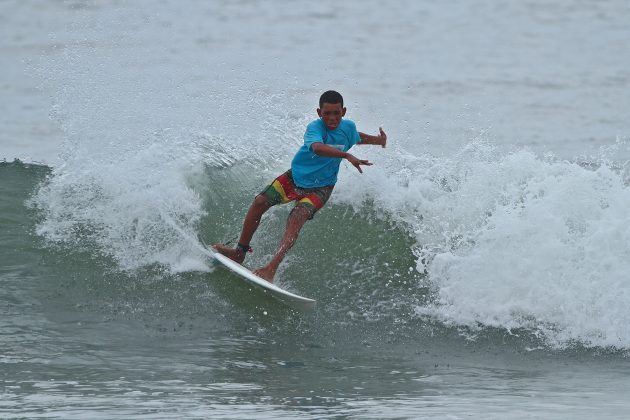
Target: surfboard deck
291	299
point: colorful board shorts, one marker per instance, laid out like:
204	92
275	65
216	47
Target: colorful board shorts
283	190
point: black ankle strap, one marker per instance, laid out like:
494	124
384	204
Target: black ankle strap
244	248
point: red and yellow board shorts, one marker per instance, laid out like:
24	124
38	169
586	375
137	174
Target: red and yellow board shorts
283	190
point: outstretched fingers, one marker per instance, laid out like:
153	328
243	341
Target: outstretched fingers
361	162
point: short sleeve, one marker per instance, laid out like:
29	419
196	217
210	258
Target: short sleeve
354	133
313	134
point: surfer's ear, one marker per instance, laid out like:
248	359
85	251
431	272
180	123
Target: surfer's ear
319	112
343	111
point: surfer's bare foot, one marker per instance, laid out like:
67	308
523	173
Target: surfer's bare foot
235	254
266	273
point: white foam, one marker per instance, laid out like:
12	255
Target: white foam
514	240
126	206
136	139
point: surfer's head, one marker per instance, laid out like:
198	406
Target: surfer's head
331	108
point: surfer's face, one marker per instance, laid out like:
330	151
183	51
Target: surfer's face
331	114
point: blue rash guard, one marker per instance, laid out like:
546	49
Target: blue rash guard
311	170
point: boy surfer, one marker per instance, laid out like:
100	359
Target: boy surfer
309	182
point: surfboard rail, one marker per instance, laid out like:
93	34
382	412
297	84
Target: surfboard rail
291	299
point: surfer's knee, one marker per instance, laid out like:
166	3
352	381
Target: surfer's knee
261	202
302	213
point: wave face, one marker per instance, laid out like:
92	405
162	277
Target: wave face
492	240
476	238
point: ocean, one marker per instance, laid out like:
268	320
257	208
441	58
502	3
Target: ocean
479	269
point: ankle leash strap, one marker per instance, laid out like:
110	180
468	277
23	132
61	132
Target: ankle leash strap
244	248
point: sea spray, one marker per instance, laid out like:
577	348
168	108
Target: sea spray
123	206
140	146
514	240
553	255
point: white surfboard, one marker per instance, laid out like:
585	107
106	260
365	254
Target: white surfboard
290	299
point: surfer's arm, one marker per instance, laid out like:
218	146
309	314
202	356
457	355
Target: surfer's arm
380	140
322	149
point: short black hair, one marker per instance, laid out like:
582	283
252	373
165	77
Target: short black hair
331	97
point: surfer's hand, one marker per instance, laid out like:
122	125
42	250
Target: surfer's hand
357	162
382	137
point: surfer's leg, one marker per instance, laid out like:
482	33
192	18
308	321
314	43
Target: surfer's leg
310	200
298	217
281	190
252	219
259	207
